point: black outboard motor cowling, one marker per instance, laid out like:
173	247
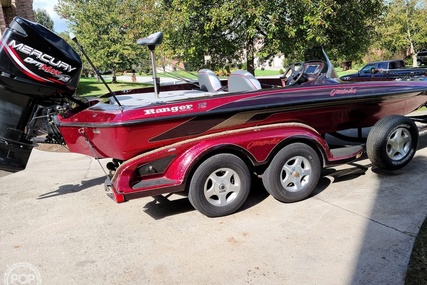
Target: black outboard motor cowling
37	67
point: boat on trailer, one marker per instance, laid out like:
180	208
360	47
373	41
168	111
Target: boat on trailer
205	139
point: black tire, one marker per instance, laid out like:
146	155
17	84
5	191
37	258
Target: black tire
293	173
392	142
220	185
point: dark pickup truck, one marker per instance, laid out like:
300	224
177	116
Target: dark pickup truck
385	70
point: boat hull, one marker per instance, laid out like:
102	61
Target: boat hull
106	131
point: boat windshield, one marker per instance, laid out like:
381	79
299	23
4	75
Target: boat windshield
318	53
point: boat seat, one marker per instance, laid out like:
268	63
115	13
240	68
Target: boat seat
208	81
151	41
242	80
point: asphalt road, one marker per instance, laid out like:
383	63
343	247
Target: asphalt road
58	226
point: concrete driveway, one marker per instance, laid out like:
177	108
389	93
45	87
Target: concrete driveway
57	226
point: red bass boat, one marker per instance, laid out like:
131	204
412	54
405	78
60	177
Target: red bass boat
206	138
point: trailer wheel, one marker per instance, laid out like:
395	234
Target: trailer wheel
293	173
220	185
392	142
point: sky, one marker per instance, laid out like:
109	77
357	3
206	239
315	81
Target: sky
59	25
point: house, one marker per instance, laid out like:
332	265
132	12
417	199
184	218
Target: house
11	8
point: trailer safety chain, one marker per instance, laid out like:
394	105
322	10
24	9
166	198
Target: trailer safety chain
82	132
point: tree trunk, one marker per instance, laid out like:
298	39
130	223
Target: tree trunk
412	50
411	42
250	65
114	77
414	60
250	52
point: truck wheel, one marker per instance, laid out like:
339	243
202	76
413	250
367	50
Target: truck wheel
220	185
293	173
392	142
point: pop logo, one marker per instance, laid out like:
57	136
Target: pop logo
22	273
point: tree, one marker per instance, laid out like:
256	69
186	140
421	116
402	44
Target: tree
108	30
344	28
42	17
404	27
225	30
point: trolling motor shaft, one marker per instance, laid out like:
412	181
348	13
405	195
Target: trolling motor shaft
74	39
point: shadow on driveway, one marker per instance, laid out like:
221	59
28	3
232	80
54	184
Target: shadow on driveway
73	188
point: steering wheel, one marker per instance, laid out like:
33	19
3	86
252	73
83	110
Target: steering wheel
292	74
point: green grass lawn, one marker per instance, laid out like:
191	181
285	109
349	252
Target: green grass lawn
92	87
342	73
259	72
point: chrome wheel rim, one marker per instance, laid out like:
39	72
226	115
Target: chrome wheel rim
222	187
399	144
295	174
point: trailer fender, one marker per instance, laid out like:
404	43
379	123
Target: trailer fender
256	146
166	169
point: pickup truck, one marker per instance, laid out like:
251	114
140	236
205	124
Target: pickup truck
385	70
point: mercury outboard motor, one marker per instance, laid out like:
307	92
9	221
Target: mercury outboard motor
37	69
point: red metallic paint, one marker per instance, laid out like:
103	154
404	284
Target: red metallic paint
256	143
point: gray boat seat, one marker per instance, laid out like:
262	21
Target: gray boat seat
242	80
208	81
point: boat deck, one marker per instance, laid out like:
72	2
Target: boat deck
163	97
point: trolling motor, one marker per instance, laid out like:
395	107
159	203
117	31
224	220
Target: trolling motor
151	42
